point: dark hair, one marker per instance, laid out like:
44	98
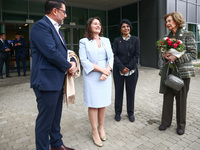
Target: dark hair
18	33
88	31
127	22
2	34
51	4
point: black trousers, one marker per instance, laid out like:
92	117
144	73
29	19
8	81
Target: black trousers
131	82
181	102
4	58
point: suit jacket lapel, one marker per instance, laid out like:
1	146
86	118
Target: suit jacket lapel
62	41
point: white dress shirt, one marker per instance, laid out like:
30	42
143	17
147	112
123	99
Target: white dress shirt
56	26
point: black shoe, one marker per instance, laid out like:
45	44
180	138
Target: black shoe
24	74
19	74
131	118
180	131
1	77
117	118
163	127
8	76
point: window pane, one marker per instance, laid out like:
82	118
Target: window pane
198	50
171	6
68	19
78	34
192	13
192	27
36	8
79	15
194	1
199	14
114	17
113	32
100	14
182	8
134	31
198	32
130	12
14	10
17	6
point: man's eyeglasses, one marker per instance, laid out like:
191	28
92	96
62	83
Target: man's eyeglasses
64	11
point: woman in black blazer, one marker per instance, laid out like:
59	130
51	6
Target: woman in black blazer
126	51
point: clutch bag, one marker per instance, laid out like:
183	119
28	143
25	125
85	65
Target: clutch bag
174	82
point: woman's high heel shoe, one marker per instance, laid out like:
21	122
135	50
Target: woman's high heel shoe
103	138
100	144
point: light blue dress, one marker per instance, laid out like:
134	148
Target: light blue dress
97	93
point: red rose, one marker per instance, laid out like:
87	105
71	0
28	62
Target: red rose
178	42
167	39
169	43
161	43
175	45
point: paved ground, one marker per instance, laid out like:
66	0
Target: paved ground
18	112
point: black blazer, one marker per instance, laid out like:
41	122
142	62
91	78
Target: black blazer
2	52
126	53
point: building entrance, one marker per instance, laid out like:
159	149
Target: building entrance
10	29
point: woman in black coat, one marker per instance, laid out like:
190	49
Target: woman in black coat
126	51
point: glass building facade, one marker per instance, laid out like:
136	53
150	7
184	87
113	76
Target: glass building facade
146	17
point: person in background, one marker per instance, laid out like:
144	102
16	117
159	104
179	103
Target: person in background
50	66
97	60
126	49
175	23
4	55
19	45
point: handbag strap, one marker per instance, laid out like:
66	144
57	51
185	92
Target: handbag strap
167	73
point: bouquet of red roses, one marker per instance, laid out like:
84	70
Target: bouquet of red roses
170	43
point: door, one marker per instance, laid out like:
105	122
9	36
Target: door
72	36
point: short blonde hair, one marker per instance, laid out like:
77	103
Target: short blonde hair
177	18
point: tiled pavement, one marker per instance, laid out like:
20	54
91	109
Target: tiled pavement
18	112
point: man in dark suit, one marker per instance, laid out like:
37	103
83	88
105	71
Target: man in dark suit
49	67
20	52
4	55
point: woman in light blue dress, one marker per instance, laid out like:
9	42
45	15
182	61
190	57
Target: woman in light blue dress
97	60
